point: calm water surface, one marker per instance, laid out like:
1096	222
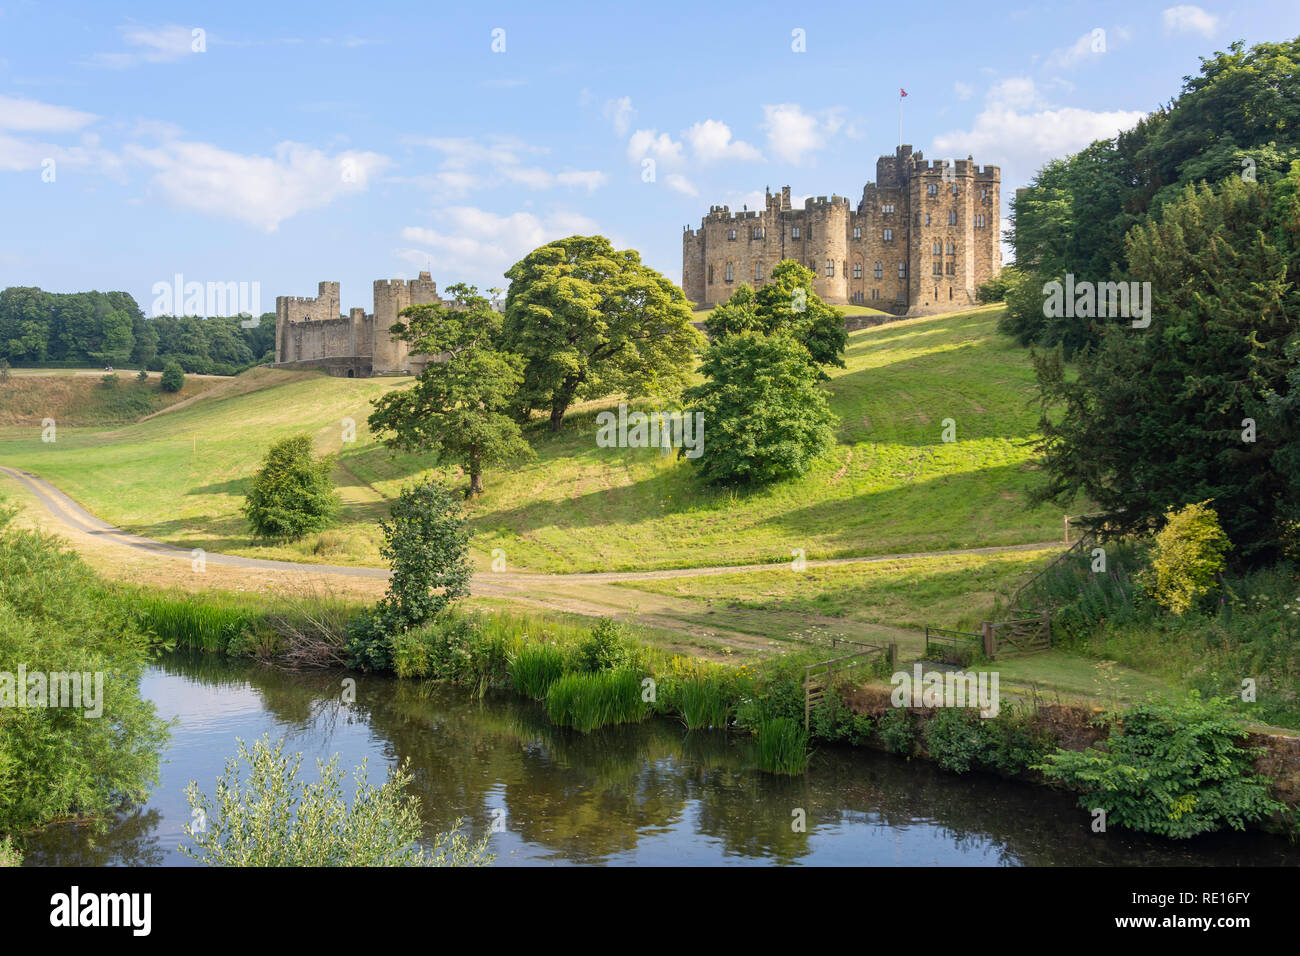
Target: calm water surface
649	794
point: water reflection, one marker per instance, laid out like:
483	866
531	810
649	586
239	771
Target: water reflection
646	794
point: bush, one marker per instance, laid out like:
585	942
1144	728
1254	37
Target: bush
142	376
897	729
269	817
292	493
959	740
995	290
1188	557
9	854
173	377
109	381
832	720
451	647
56	616
1172	768
605	648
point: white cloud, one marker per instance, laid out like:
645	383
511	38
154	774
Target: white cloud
1015	92
468	164
963	91
1089	46
152	45
679	183
650	142
619	112
479	246
260	190
30	115
711	142
792	134
1188	19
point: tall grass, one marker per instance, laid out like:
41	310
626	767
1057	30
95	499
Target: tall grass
534	668
208	622
588	701
781	746
703	700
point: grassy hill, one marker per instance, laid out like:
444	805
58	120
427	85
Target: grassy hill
891	484
79	397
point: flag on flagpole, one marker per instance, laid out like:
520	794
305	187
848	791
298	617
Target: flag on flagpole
901	92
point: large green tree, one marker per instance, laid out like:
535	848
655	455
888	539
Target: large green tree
786	304
591	321
764	416
1200	404
460	404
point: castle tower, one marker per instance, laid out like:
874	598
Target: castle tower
294	309
391	356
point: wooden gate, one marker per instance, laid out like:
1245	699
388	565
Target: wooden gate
1020	636
819	677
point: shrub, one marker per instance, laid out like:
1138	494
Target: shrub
173	377
1188	557
270	817
142	375
55	615
588	701
606	647
897	731
781	746
9	854
291	494
451	647
833	720
959	740
1172	768
995	290
109	381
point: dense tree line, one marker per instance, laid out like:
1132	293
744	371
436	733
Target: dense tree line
1239	118
1198	402
108	328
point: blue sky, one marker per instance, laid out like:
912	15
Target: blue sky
286	143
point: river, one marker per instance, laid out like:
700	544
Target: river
649	794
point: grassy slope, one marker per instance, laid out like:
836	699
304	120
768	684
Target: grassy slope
77	397
890	486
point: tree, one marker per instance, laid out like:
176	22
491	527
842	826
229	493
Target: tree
1188	557
173	378
787	304
459	405
267	816
291	494
1197	406
426	545
765	418
590	321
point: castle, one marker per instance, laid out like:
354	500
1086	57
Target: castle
922	240
311	333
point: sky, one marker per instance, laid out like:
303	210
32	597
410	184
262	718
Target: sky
288	143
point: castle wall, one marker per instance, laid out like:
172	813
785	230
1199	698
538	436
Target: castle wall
896	224
295	309
392	356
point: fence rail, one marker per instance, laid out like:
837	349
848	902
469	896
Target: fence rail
942	638
1024	635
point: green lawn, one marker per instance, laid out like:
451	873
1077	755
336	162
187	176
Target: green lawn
891	485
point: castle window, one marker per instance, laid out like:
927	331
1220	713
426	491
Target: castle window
758	272
857	232
794	232
984	193
937	248
809	237
857	270
952	268
759	232
954	189
932	190
830	268
952	217
927	219
938	267
979	220
949	292
877	270
887	208
710	275
731	272
887	235
952	248
902	270
731	235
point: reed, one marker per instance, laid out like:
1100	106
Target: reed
781	746
586	702
534	668
703	701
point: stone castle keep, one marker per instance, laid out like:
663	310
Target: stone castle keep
922	240
312	333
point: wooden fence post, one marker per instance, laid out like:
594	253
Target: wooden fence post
986	631
1047	627
893	657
